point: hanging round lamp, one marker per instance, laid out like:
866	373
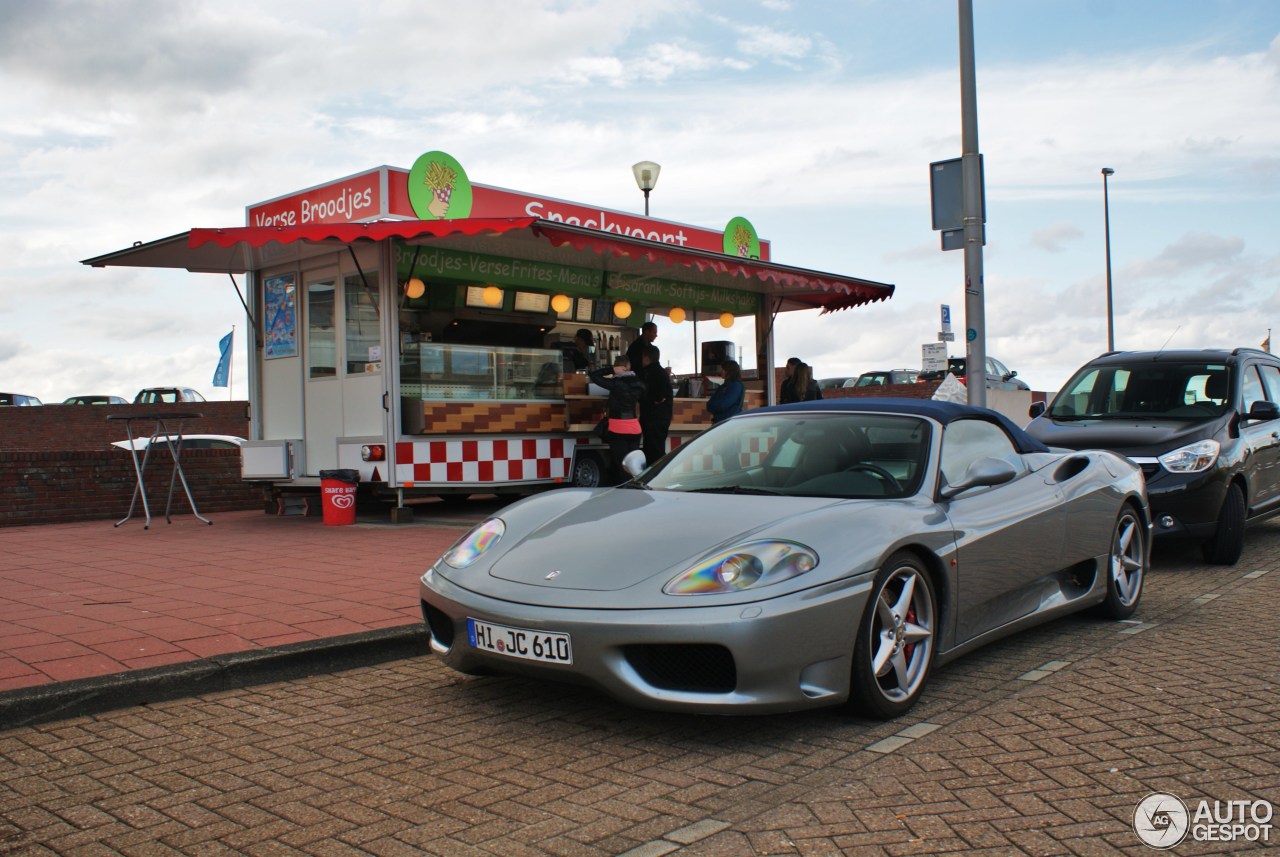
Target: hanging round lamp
492	295
622	309
561	303
676	315
726	319
415	288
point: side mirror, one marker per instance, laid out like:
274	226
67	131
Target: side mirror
981	474
634	462
1036	409
1263	411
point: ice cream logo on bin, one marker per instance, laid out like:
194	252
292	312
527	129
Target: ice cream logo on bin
439	188
740	239
340	499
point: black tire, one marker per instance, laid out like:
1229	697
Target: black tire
1227	543
1126	571
898	630
588	470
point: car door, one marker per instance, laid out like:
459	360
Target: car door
1261	382
1008	537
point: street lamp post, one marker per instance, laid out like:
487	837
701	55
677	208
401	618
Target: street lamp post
646	173
1107	172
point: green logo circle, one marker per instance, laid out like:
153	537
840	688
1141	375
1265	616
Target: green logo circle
439	188
740	239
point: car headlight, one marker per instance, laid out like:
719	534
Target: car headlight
746	566
472	546
1192	458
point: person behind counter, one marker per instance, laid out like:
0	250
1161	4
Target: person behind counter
623	433
635	351
583	357
656	406
727	400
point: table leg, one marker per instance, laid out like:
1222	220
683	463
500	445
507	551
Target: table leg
138	490
176	452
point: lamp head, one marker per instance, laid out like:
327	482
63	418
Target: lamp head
1107	171
646	173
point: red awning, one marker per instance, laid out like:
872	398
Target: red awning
349	233
235	250
827	291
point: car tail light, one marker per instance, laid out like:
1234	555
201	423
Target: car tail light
373	452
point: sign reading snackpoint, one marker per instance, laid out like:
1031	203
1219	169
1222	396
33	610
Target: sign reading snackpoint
436	187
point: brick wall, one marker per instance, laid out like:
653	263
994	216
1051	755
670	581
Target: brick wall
923	390
72	427
57	465
45	487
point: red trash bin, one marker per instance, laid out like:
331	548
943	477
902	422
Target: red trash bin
338	496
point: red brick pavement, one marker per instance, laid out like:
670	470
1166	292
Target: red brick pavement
88	599
1041	744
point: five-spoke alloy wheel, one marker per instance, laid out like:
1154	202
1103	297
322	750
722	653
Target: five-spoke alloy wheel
895	647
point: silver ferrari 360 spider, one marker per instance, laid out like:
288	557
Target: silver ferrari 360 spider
796	556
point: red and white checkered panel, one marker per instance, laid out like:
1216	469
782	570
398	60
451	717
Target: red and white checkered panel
485	461
756	447
753	450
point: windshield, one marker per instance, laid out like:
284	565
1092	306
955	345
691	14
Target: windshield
842	455
1146	390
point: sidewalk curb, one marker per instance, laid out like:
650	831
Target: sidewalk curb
47	702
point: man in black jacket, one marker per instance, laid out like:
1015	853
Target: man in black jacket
656	406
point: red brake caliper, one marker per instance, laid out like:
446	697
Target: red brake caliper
911	619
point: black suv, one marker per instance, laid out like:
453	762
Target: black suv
1203	425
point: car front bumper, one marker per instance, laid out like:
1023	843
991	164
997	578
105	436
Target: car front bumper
783	654
1184	505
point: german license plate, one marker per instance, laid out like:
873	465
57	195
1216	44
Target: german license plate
548	646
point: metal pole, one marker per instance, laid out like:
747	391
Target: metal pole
1107	172
231	364
971	166
646	203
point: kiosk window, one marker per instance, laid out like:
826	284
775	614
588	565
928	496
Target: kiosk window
321	341
364	336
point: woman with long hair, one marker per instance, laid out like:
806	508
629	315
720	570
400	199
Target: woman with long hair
727	400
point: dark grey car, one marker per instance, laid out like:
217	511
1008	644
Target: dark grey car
1204	426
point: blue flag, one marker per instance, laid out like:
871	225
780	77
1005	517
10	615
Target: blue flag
224	362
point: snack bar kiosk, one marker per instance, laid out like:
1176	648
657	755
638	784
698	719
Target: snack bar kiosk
418	328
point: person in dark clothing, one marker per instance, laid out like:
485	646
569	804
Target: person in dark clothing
656	406
623	433
727	401
583	358
635	351
798	385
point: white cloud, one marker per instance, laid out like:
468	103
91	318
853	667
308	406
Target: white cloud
134	120
1054	239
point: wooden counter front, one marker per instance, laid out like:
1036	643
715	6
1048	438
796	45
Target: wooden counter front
484	417
574	413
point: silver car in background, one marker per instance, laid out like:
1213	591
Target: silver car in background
797	556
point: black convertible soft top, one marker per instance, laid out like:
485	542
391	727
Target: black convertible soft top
943	412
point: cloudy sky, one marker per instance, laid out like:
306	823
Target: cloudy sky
133	120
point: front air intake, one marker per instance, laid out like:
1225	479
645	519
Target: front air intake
692	668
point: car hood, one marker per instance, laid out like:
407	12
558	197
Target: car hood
620	538
587	548
1129	437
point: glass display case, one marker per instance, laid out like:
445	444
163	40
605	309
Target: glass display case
434	371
